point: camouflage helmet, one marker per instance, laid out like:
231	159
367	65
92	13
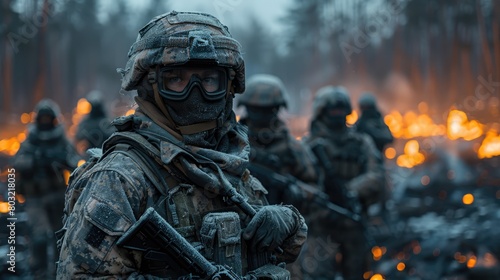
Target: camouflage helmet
330	96
264	91
367	101
47	107
177	38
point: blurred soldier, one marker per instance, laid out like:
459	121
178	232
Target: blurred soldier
271	144
179	162
40	164
96	126
352	174
372	123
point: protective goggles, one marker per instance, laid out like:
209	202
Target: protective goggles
175	83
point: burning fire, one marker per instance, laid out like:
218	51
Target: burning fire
352	118
412	156
83	107
11	145
460	127
412	125
490	146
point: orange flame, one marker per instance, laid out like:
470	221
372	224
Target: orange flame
352	118
130	112
490	146
459	126
11	145
412	125
411	156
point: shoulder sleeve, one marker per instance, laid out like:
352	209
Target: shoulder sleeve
110	202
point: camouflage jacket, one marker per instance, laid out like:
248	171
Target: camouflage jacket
42	159
353	162
372	123
278	150
116	192
94	130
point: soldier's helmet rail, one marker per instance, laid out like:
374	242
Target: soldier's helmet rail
264	90
47	107
331	96
367	101
177	38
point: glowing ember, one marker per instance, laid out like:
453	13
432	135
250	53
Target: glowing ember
367	275
471	262
25	118
468	199
412	156
460	127
132	111
377	277
377	253
490	146
4	207
352	118
401	266
390	153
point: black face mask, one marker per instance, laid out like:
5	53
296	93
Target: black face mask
45	122
262	116
197	109
335	118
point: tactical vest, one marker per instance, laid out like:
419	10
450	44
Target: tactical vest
211	225
348	160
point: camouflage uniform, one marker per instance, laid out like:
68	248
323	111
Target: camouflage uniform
40	162
202	167
352	174
96	127
372	123
271	144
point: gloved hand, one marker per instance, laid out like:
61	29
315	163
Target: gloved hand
272	225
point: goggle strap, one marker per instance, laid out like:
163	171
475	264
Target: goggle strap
186	129
197	127
161	105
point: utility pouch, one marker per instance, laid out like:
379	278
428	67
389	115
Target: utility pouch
269	272
221	236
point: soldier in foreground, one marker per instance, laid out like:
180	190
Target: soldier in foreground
171	194
40	163
352	174
273	149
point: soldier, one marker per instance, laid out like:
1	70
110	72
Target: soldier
40	163
352	172
372	123
179	162
271	144
96	126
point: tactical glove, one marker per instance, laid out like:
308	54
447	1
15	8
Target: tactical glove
271	226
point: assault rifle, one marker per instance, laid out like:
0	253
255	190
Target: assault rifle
303	192
158	240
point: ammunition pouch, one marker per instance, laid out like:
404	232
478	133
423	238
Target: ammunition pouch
269	272
221	237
